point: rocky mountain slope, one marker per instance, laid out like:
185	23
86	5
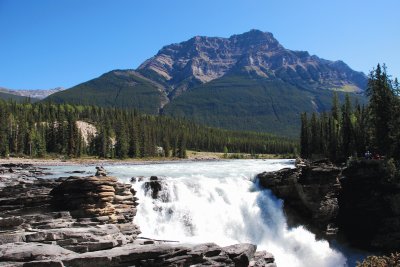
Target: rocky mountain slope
35	93
203	59
8	96
247	81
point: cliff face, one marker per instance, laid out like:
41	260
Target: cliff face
361	201
310	190
370	205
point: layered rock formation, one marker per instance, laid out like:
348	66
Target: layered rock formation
361	201
88	221
80	214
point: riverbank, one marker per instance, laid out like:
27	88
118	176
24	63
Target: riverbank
191	156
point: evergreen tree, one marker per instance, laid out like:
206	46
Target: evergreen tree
134	146
166	146
304	137
122	145
315	135
175	147
346	130
72	136
381	107
182	147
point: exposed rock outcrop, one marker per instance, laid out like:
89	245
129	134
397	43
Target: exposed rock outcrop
80	214
134	254
310	190
99	197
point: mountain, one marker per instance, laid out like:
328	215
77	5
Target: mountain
17	98
247	81
118	88
203	59
34	93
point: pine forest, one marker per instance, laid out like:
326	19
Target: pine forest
41	129
357	130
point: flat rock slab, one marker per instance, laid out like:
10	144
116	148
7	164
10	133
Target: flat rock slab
22	251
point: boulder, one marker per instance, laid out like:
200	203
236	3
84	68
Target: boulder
262	259
241	254
157	188
100	171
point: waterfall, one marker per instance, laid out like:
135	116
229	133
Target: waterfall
219	202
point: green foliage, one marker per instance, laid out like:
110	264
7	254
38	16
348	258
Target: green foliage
352	131
41	128
16	98
119	88
240	102
381	107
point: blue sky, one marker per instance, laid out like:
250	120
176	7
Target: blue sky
50	43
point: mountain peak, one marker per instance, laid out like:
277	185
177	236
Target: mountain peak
202	59
255	34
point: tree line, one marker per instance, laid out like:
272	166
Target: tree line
38	129
353	129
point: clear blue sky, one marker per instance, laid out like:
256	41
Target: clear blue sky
49	43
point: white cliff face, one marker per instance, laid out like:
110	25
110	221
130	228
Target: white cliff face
203	59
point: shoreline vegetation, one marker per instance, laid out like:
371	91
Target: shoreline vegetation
191	156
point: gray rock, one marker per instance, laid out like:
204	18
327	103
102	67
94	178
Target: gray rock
241	254
262	259
22	251
100	171
11	222
46	263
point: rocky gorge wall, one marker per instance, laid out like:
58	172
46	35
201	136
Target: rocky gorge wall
360	202
88	221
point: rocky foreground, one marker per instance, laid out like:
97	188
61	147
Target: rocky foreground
360	202
88	221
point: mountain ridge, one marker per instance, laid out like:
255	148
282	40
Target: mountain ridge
202	59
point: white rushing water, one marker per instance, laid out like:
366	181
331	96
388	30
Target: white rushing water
219	202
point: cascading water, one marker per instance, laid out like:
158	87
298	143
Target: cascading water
219	202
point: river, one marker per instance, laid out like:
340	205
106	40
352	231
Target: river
219	201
